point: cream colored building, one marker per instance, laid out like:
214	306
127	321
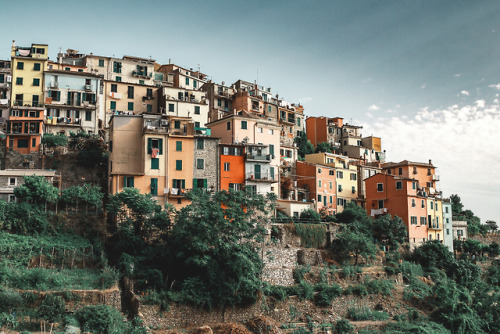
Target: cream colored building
182	102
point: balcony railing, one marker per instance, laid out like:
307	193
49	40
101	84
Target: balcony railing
256	157
147	97
142	74
264	177
376	212
71	103
50	120
177	192
28	103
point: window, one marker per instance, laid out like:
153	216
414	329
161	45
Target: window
178	164
460	233
187	81
423	204
12	198
219	103
226	166
36	67
129	181
235	186
270	131
244	125
131	106
447	231
196	125
20	65
101	62
400	171
399	185
319	198
228	126
259	130
380	187
36	82
414	185
88	115
200	184
429	171
413	220
130	92
353	177
19	81
12	181
381	204
195	83
177	124
149	91
423	221
149	108
353	190
200	143
155	163
413	204
436	206
319	183
112	105
332	172
154	186
432	205
114	88
178	145
196	110
340	175
155	143
171	107
117	67
118	79
22	143
200	164
179	184
340	188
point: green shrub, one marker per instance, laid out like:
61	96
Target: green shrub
382	286
51	308
279	293
101	319
326	293
411	270
311	235
421	327
10	300
358	290
306	291
7	320
300	272
343	326
310	216
365	313
351	271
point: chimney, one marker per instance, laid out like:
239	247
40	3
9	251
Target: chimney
430	162
13	44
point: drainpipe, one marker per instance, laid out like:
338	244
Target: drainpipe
166	167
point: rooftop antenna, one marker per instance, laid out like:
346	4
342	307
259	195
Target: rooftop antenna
257	76
199	68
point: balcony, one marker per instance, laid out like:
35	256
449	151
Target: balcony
70	103
28	104
435	177
434	226
147	98
177	192
142	74
63	121
88	87
4	85
377	212
260	177
156	130
259	158
203	131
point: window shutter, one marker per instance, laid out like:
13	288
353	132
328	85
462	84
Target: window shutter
58	97
160	143
183	184
150	150
205	183
83	96
271	149
195	183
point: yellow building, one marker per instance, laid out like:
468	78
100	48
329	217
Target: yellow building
24	126
435	218
346	176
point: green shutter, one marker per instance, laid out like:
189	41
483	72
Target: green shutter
154	186
271	149
150	150
155	163
195	183
58	96
205	183
112	104
183	184
271	171
178	165
160	143
178	145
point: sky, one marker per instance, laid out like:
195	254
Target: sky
423	75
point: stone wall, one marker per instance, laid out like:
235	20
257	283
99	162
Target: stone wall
279	264
291	310
210	155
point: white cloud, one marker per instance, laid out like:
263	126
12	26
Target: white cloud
497	86
460	140
457	75
305	99
464	92
373	107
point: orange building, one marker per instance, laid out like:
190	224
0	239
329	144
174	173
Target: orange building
232	166
319	185
24	129
325	129
424	173
398	196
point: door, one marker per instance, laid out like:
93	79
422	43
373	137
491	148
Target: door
257	171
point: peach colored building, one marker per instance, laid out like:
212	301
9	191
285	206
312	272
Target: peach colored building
317	184
399	196
424	173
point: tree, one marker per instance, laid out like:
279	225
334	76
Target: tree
492	224
101	319
36	190
304	145
353	243
324	147
353	213
213	252
51	309
391	232
310	216
50	140
456	204
433	254
88	194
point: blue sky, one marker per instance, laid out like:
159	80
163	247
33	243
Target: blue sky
412	72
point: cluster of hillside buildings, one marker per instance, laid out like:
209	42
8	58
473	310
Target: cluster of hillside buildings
170	129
